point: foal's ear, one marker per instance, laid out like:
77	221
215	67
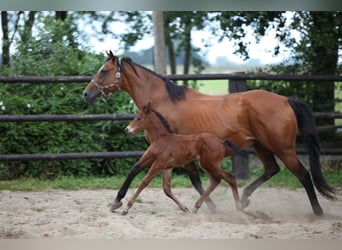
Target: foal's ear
147	107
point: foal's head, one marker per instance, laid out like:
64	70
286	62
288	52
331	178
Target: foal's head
140	122
150	120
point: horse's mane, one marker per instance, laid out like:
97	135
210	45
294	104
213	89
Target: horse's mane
163	121
175	92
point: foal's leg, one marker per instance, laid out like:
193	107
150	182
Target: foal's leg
231	180
167	189
214	181
192	171
154	170
271	168
135	170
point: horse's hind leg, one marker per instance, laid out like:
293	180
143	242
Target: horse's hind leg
192	171
271	168
167	189
292	162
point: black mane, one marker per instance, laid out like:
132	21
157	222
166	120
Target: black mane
163	121
175	92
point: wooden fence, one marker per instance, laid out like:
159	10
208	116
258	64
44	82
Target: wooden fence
237	82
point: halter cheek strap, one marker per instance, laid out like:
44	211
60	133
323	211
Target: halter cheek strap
101	88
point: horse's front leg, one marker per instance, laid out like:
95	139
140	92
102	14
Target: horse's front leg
192	171
144	162
154	170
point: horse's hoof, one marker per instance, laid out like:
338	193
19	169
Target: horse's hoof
195	210
124	212
318	211
115	205
244	203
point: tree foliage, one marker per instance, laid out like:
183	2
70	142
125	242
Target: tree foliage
40	56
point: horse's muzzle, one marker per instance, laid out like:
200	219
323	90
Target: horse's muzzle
89	96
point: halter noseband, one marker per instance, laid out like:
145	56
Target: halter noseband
101	88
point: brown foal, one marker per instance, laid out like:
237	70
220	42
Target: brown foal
168	150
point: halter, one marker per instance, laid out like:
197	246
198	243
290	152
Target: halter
101	88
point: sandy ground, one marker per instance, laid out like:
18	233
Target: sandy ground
84	214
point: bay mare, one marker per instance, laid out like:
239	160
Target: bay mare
169	150
264	120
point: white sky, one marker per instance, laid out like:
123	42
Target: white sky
262	51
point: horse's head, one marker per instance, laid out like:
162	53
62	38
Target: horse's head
140	121
106	79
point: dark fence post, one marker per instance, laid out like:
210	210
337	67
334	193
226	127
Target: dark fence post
240	164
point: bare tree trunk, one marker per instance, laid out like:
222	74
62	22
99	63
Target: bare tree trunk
187	56
159	42
172	56
61	15
5	39
28	26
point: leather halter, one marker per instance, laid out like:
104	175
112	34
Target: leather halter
101	88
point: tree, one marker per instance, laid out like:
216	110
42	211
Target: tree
178	27
315	52
49	54
18	26
159	42
5	38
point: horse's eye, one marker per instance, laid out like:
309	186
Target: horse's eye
103	72
139	118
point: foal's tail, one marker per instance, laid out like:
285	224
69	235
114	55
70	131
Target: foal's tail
235	148
307	128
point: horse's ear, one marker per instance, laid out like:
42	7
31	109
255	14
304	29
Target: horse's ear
110	55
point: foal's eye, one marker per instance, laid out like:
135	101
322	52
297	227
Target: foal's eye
139	118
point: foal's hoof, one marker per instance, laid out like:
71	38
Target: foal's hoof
239	206
115	205
211	205
186	210
194	210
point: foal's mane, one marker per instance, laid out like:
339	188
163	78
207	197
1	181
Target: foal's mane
163	121
175	92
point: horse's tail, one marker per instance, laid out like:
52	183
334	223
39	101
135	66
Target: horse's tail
307	129
235	148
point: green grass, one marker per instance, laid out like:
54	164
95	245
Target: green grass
213	87
283	179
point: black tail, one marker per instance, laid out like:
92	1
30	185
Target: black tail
235	148
307	129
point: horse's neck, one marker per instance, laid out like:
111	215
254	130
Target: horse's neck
143	88
156	128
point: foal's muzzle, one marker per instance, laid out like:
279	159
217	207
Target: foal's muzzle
128	131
